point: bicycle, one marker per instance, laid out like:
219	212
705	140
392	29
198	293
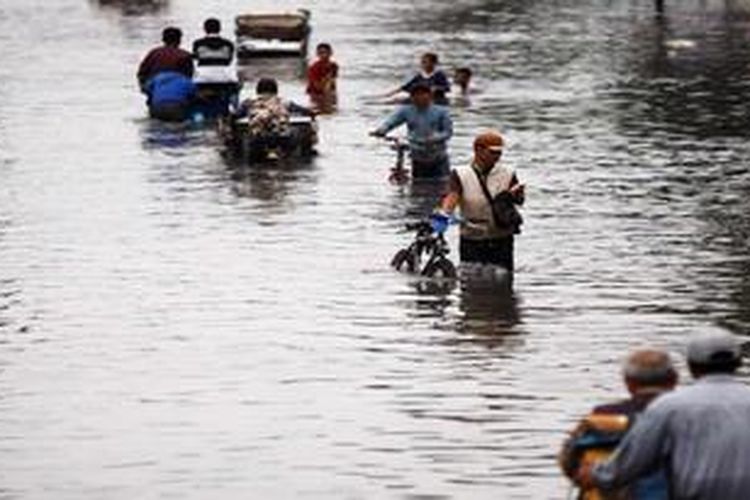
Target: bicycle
429	242
399	173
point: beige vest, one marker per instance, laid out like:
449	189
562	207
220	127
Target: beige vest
477	213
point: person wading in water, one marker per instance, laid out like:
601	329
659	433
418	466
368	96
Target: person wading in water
487	193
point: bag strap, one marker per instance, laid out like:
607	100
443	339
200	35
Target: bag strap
488	197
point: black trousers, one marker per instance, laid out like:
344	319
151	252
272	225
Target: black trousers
497	251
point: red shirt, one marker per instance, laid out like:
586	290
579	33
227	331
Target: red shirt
321	77
165	59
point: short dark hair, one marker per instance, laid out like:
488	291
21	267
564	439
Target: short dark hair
420	87
212	26
466	71
267	86
324	46
432	57
171	35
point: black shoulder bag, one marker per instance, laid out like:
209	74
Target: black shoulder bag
504	211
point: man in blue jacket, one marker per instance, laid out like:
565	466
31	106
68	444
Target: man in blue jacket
430	128
170	96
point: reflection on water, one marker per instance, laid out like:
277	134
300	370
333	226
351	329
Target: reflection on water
488	305
172	325
271	183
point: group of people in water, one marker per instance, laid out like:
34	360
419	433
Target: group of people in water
485	192
661	442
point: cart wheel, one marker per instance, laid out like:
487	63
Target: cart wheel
404	261
442	268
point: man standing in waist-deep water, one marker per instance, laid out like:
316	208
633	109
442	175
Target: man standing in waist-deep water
430	128
487	193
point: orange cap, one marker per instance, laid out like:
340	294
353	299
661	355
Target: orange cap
491	139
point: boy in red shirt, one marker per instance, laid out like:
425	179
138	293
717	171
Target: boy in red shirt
322	74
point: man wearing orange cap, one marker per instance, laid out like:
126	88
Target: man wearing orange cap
487	194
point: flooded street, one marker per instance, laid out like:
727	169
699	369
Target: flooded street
171	330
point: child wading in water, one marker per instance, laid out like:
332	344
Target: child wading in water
321	77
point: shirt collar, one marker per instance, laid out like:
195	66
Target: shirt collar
716	378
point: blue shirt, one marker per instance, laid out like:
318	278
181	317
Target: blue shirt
429	130
700	433
170	87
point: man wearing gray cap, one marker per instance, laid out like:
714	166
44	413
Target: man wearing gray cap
701	433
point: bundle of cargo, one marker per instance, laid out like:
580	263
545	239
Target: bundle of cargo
266	35
296	140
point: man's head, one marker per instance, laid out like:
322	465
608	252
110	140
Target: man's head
421	95
324	51
171	36
212	26
715	353
488	148
429	62
649	372
267	86
463	77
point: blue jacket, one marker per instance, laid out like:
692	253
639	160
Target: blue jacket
429	130
170	87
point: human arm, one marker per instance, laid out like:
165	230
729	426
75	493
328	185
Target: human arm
517	191
641	452
186	65
298	109
405	87
440	82
445	127
144	70
231	47
396	119
452	198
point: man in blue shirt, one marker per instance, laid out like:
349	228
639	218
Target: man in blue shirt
170	96
430	128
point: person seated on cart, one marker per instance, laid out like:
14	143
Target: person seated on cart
269	115
169	57
213	49
215	76
430	128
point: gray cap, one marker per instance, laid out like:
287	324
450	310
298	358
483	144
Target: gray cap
713	348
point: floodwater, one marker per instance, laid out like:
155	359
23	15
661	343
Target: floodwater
171	330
